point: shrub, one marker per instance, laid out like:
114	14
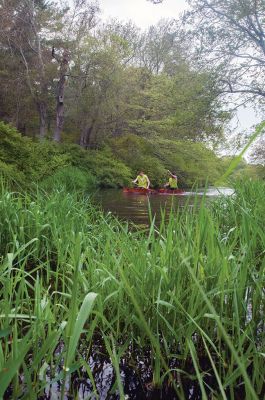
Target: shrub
138	154
192	162
23	161
70	178
110	171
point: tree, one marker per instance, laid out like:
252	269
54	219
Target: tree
22	38
75	26
98	73
158	47
258	153
229	37
101	88
36	33
117	95
95	84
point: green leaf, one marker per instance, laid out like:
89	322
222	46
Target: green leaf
10	368
259	129
5	332
48	345
83	314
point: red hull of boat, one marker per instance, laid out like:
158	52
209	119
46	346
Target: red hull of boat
152	191
168	191
138	191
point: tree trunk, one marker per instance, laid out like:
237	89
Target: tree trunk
59	121
86	135
42	109
60	98
21	127
82	140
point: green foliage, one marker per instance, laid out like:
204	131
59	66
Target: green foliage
249	171
16	160
10	174
157	93
243	170
24	162
192	162
201	273
72	179
236	160
198	114
137	153
232	29
109	170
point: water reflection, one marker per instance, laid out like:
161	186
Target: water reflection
136	207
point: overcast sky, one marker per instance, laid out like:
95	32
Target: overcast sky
142	12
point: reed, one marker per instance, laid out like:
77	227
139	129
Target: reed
191	292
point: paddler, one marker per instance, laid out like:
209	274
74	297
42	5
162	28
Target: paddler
172	181
142	180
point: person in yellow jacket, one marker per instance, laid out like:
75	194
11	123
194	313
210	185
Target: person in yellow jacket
142	180
172	181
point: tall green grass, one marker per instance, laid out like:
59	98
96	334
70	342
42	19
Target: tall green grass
190	290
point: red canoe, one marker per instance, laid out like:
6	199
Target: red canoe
170	191
138	191
152	191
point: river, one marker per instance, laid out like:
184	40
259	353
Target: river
135	207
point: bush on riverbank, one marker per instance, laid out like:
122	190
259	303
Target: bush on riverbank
72	179
23	162
187	299
192	162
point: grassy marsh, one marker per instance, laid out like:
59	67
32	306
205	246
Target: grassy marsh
189	294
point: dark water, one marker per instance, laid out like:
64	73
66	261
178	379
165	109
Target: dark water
136	207
136	373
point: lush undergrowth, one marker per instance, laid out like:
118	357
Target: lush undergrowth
189	294
24	161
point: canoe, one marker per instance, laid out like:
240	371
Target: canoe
138	191
168	191
152	191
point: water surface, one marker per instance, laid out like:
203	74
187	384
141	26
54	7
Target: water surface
136	207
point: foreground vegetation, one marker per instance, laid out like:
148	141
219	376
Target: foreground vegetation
189	294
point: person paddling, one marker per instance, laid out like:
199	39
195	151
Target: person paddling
142	180
172	181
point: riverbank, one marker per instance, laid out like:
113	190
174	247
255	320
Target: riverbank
25	162
179	310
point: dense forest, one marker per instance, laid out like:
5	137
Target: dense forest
135	98
136	293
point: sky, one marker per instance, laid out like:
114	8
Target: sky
144	13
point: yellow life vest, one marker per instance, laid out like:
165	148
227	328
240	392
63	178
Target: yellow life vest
173	183
142	181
